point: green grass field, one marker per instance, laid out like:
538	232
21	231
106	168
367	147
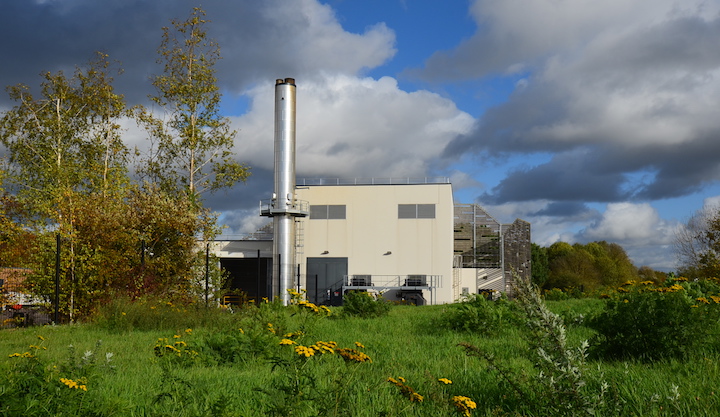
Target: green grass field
183	363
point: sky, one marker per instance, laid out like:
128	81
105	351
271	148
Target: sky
591	120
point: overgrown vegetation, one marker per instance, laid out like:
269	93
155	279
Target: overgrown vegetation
305	360
365	305
475	313
648	322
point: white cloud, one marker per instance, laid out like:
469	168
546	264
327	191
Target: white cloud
355	127
646	237
630	223
711	203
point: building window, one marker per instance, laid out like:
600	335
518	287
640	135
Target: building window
416	211
327	212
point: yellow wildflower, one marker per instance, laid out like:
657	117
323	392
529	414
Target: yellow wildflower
352	355
73	384
359	345
416	397
445	381
463	405
675	288
287	342
306	351
405	390
325	347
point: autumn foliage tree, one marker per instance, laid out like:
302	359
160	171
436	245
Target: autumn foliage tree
589	266
64	146
68	170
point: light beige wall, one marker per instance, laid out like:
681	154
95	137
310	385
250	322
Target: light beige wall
482	278
372	228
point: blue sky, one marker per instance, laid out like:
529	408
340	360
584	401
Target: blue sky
591	120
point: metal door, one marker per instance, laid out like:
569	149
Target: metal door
325	278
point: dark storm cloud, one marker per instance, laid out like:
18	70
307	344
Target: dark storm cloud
53	36
244	196
513	126
563	209
634	101
259	41
567	177
684	168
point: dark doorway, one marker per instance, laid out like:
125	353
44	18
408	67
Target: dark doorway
250	276
325	277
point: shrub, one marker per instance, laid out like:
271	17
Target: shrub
650	323
555	294
476	314
364	304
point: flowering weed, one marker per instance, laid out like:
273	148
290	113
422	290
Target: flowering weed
646	322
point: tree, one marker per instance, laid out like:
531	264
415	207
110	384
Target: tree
65	142
697	244
540	264
191	151
588	266
65	147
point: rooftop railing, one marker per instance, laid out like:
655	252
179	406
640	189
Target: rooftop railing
372	181
393	281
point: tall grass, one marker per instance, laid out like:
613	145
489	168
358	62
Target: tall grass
407	344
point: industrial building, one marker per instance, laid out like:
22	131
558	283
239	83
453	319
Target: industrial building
405	239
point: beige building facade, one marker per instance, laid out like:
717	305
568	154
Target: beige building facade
396	239
406	240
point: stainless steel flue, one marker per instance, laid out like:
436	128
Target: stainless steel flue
284	206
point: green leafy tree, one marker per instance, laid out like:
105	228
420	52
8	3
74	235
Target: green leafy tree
588	266
63	146
191	150
570	266
540	264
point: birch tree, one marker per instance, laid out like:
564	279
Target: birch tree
64	148
191	143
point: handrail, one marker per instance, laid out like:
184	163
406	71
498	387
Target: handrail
372	181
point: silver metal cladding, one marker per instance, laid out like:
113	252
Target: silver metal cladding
284	193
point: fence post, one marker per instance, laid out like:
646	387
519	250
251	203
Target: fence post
207	274
56	318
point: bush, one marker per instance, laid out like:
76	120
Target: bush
648	323
365	305
476	314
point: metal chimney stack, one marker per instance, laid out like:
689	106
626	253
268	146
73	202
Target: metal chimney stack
284	208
